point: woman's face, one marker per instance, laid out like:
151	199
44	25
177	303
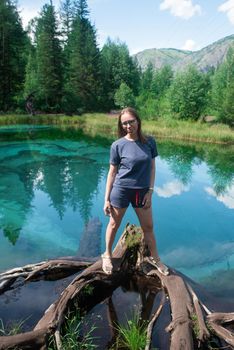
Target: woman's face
129	124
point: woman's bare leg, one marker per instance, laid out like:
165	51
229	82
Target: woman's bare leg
146	222
112	227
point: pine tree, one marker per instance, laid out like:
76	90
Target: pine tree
66	18
13	46
84	79
118	67
49	60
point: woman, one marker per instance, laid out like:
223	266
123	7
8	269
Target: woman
131	180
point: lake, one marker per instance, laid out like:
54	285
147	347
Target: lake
52	184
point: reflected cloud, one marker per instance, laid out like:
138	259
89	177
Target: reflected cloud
189	257
226	198
170	189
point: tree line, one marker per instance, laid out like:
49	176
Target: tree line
57	61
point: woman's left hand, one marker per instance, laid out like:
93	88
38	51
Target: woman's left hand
147	200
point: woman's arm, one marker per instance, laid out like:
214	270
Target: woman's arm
109	184
147	201
153	173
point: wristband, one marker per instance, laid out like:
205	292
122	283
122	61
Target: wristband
151	189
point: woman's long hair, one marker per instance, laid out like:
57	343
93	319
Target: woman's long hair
122	132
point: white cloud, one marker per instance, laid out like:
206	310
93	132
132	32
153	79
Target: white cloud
181	8
27	14
227	198
190	257
189	45
136	50
228	8
173	188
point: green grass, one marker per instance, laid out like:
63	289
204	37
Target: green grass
12	329
133	240
132	336
100	124
189	130
195	325
71	338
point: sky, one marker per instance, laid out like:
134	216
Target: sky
145	24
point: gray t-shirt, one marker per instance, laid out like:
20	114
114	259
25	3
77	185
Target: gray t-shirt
134	162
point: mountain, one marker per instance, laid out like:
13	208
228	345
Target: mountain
210	56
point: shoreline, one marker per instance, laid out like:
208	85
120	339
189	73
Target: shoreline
101	123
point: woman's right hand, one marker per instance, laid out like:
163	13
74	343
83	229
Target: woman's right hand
107	208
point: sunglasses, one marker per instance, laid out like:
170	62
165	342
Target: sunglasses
129	122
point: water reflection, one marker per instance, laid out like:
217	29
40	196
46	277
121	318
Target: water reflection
90	240
172	188
181	159
226	197
52	184
63	171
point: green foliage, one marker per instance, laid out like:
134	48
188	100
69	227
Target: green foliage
153	94
62	65
88	289
161	81
31	73
133	240
223	89
147	106
81	8
219	87
71	337
12	329
48	60
124	96
11	233
147	78
66	18
188	94
117	67
195	324
13	48
83	76
132	336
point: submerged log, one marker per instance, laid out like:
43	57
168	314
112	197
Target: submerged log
191	322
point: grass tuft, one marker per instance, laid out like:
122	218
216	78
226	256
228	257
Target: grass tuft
13	328
131	336
71	336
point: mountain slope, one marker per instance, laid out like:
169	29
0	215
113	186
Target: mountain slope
160	57
210	56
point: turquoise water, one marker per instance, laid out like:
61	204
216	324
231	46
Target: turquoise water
52	185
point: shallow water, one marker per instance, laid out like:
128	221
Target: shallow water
52	184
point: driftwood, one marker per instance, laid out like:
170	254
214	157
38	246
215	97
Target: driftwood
191	324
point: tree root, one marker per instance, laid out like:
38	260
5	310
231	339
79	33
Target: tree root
152	322
189	317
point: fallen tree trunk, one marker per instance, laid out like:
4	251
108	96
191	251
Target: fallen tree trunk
189	319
